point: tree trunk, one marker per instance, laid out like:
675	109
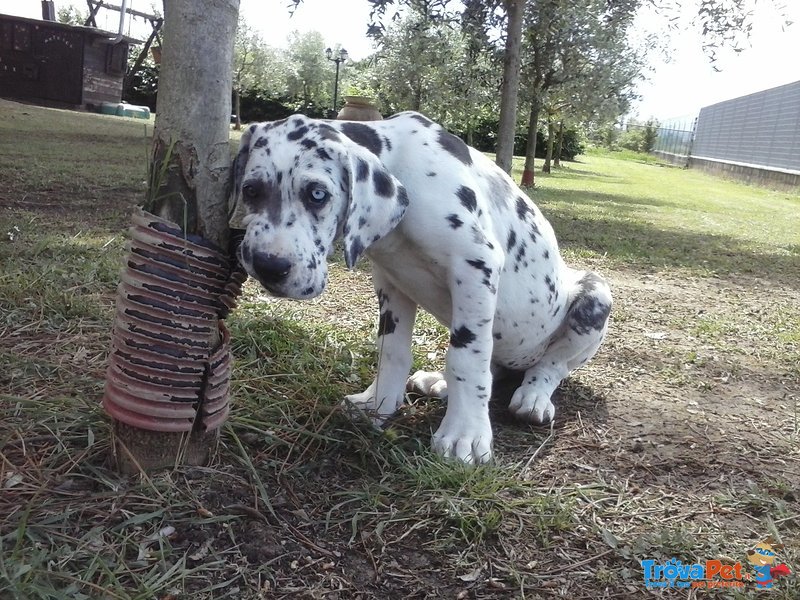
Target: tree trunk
191	153
559	145
416	100
528	178
550	143
237	97
510	87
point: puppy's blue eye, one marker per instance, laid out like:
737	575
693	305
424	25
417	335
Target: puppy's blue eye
318	196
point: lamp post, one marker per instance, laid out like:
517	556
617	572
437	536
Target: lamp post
338	60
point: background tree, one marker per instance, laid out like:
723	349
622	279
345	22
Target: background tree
722	22
247	50
310	75
435	67
408	64
575	54
509	90
71	15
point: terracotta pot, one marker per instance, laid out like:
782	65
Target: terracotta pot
359	108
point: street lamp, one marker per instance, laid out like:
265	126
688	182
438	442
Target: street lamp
338	60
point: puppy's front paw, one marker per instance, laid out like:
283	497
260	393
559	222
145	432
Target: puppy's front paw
470	443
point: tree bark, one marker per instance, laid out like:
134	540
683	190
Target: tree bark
191	142
550	143
510	86
528	178
559	145
193	112
237	109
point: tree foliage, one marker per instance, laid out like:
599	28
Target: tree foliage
435	67
446	58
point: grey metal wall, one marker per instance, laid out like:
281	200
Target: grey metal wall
762	129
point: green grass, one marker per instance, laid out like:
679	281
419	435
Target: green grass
680	439
655	216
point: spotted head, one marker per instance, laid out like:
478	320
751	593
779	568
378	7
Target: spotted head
299	185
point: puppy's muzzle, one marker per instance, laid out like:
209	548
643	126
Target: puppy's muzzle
270	269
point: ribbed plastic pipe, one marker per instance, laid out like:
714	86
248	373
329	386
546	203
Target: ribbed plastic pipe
174	289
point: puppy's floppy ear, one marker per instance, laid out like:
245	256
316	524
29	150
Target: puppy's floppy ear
235	206
377	202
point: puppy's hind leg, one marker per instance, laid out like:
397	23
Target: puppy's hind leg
585	326
431	384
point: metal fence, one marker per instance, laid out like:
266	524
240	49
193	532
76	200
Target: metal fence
674	140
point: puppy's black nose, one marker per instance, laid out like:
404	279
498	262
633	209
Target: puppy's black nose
270	268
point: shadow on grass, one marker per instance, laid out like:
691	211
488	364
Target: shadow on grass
624	239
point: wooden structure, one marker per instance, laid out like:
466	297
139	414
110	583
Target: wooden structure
62	65
152	44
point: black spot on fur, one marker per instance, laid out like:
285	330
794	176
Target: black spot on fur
322	153
424	120
383	297
402	196
587	312
455	146
521	252
362	170
512	240
384	186
550	284
480	265
308	144
431	174
467	197
297	133
522	208
387	323
355	250
461	337
546	254
455	222
388	143
260	143
327	132
363	135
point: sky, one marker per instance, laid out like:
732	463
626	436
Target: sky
678	88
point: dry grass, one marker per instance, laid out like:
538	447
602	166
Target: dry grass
679	440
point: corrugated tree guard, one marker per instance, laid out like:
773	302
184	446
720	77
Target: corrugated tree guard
167	383
163	374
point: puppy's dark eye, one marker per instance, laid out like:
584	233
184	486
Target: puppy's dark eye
249	190
317	195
